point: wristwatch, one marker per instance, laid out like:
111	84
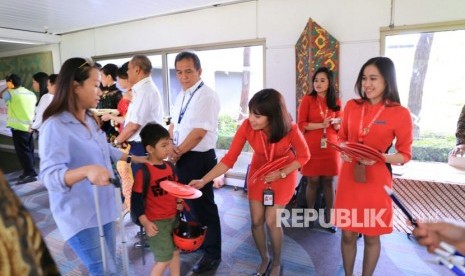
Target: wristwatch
283	174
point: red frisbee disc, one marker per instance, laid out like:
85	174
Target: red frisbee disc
180	190
269	167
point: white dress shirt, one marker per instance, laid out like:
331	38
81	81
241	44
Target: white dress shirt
40	108
146	106
202	107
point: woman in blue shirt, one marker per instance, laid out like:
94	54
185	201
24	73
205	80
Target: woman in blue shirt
74	154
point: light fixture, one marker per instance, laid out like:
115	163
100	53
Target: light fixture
20	41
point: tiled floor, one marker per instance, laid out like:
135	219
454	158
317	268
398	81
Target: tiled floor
305	251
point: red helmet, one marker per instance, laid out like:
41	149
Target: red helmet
188	236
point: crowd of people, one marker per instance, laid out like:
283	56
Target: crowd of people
79	152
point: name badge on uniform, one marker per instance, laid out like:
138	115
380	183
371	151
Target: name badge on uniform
175	137
323	143
268	197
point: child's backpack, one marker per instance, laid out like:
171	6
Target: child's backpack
145	188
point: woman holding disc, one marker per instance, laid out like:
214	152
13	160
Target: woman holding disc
376	120
274	138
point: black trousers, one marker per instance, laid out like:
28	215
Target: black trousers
24	147
194	165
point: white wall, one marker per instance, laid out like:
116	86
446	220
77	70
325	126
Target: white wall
355	23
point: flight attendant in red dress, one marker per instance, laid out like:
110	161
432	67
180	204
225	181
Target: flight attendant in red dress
124	169
376	120
319	120
272	135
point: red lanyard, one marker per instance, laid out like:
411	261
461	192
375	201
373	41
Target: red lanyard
323	115
321	110
363	131
265	148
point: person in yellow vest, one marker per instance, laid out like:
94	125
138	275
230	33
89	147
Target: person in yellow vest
21	105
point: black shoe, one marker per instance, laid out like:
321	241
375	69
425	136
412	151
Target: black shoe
141	244
206	264
27	179
23	176
141	233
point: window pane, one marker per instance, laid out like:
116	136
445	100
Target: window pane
157	76
431	83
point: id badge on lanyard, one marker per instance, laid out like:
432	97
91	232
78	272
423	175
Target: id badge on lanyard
323	143
268	197
324	140
268	194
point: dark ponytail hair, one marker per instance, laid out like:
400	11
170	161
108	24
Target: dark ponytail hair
41	78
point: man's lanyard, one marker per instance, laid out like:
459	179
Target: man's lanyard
183	110
363	131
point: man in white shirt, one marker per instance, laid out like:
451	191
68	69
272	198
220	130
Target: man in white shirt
146	106
194	130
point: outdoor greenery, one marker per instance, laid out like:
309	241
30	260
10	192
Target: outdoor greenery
432	148
429	148
227	127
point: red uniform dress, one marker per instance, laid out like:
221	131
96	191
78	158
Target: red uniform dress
365	207
159	204
123	106
325	161
283	188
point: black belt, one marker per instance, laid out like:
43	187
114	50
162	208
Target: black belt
199	152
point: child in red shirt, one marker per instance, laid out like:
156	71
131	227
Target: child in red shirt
160	207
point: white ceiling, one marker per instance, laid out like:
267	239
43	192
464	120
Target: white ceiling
25	18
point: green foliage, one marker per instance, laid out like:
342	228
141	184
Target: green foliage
432	147
227	127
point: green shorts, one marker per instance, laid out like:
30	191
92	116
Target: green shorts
162	244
